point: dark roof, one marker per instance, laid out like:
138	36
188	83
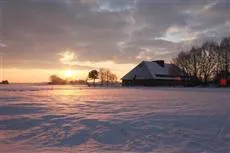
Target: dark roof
153	70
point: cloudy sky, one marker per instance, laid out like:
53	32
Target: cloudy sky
42	37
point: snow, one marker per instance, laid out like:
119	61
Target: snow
155	68
150	70
81	119
141	71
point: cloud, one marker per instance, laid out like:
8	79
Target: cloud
2	45
124	32
179	34
67	57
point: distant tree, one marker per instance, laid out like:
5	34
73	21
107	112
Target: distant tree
194	52
5	82
183	61
113	78
79	82
93	75
208	61
54	79
102	75
108	76
199	63
224	55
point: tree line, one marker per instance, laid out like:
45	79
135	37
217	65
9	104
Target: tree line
105	76
56	80
206	63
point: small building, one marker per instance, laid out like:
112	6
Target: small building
153	73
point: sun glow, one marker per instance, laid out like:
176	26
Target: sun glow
69	73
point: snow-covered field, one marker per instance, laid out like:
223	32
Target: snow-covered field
74	119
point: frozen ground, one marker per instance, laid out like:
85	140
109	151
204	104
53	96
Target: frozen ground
74	119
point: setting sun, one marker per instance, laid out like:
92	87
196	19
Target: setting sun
69	73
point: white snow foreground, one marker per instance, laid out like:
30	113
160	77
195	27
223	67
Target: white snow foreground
76	119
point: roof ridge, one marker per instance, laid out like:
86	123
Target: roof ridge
148	68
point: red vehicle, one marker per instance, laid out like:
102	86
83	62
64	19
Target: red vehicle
223	82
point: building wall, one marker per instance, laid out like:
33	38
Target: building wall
151	82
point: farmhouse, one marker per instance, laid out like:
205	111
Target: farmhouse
153	73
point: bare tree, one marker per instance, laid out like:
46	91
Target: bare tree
207	64
199	63
102	75
106	76
113	78
224	55
183	61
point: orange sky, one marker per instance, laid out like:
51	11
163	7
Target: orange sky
42	75
68	61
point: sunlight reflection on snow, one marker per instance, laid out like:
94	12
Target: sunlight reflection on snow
72	118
